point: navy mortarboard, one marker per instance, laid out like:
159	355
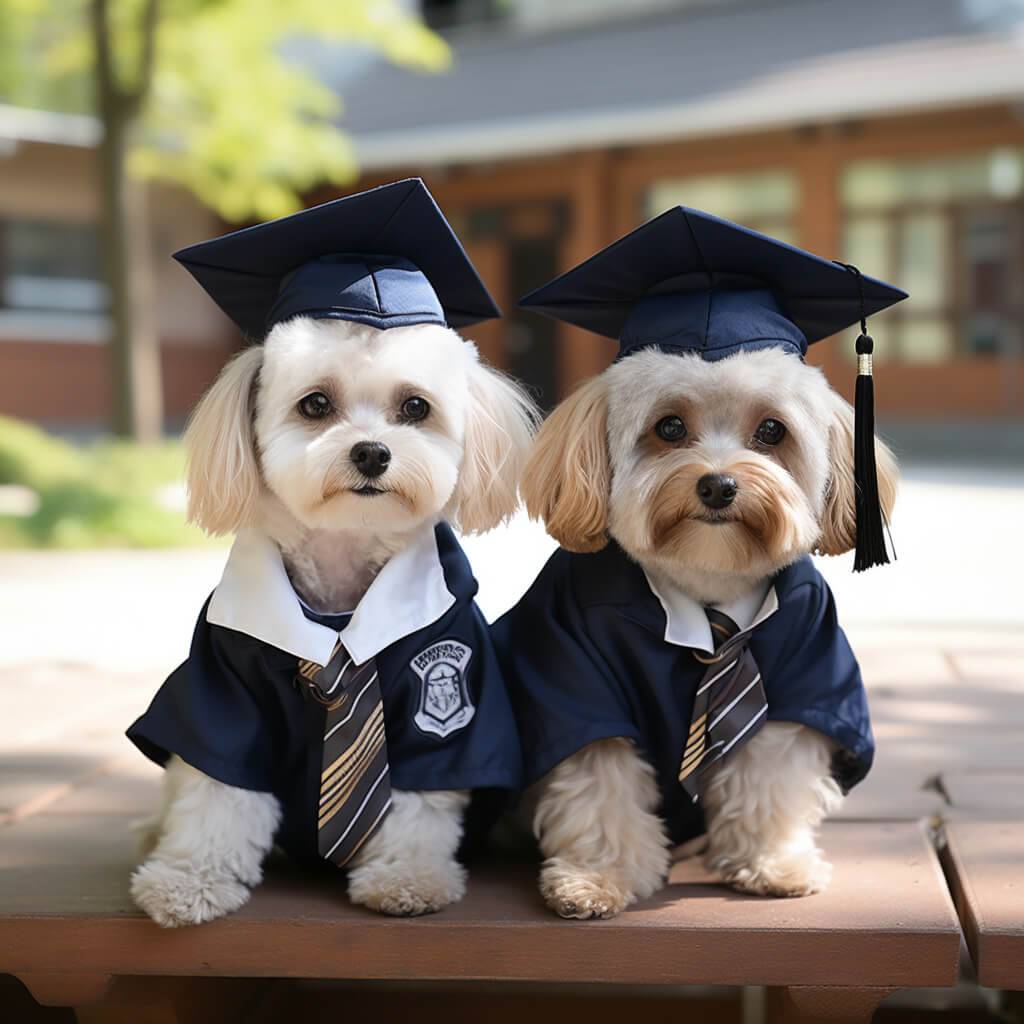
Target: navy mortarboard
693	283
386	257
423	671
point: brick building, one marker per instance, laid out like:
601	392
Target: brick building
888	134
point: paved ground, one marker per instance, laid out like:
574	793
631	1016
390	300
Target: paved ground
87	637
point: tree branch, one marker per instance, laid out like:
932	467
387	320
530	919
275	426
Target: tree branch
150	18
99	16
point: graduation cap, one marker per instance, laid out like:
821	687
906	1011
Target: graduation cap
690	282
385	257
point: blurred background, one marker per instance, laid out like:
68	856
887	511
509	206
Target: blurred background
888	133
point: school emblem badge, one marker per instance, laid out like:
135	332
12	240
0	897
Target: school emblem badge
444	705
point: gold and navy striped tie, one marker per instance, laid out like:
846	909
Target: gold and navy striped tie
355	790
730	704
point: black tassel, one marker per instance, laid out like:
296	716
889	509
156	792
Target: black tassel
870	548
870	527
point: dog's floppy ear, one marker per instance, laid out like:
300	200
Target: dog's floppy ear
500	422
567	476
223	476
839	519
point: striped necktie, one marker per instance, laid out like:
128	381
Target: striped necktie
730	704
355	790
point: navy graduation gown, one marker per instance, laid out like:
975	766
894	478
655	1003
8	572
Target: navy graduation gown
232	710
586	657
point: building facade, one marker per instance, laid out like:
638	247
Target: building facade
888	135
55	366
932	202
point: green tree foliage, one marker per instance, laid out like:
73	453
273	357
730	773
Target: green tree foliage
200	93
230	112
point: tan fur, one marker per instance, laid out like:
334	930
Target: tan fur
500	422
839	520
566	478
599	469
764	806
223	476
767	521
596	819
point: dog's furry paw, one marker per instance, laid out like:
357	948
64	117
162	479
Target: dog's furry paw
570	892
407	890
174	895
801	875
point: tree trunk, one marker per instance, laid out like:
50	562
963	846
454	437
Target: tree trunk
134	346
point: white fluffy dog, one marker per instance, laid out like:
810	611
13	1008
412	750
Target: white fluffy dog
601	467
274	444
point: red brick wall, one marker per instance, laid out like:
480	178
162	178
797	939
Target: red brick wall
68	384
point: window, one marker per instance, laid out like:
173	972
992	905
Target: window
50	267
951	232
445	14
764	201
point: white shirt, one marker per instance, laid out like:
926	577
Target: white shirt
256	597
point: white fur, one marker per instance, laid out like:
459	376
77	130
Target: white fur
408	866
209	850
254	461
598	470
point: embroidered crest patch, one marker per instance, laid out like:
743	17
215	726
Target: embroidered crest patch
445	705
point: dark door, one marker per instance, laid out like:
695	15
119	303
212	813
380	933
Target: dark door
531	340
530	236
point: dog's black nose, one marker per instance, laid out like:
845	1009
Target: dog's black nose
716	490
371	458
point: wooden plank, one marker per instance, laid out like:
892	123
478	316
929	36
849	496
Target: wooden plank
985	795
984	862
887	921
896	789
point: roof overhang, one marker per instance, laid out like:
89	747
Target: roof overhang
888	81
19	124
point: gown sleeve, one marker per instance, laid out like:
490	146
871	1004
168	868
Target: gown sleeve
217	712
812	677
564	692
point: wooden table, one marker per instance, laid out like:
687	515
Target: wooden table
985	865
69	931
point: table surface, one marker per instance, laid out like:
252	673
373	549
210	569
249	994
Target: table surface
887	920
985	864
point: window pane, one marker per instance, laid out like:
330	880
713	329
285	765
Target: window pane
986	334
985	244
884	184
925	341
51	267
765	200
922	262
950	230
867	242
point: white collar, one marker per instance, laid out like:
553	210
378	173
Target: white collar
686	623
256	597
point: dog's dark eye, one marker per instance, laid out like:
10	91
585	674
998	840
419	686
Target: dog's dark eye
315	406
770	432
671	428
415	409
